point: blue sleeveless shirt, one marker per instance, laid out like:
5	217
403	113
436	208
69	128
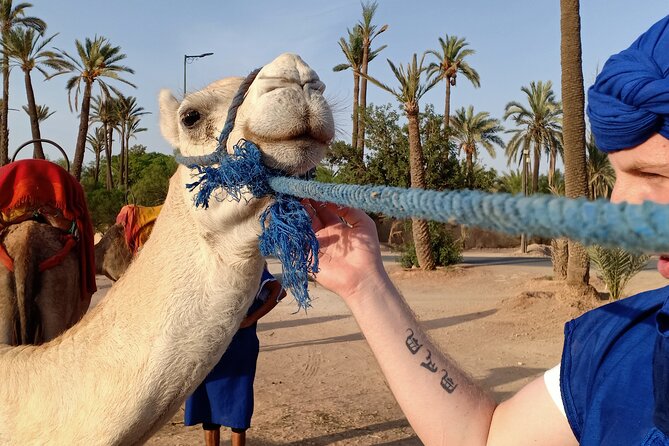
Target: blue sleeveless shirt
614	375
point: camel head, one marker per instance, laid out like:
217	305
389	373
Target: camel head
284	113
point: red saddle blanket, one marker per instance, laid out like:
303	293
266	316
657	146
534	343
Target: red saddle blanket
137	222
27	186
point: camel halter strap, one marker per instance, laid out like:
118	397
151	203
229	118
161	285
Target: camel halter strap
286	231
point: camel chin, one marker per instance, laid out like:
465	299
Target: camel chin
125	369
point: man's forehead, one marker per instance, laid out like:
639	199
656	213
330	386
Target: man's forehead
653	153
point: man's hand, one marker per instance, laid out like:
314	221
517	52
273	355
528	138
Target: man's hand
350	256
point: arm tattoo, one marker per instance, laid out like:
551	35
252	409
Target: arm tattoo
413	345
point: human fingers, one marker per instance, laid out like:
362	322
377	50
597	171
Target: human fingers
310	206
352	216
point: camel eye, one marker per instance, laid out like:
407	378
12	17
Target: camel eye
190	118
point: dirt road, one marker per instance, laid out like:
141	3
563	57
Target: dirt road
318	384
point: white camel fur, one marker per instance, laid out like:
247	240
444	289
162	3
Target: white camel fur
124	370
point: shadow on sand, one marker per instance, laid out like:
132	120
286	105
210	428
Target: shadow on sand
429	325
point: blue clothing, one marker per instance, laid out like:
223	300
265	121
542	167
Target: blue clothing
225	397
629	100
607	381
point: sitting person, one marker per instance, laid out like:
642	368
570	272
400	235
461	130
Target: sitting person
225	397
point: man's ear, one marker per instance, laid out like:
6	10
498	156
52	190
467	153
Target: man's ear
168	117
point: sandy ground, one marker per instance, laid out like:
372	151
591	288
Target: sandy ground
497	315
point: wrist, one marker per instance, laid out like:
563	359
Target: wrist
372	287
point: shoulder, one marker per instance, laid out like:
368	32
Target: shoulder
607	356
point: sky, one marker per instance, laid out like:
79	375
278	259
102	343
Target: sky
516	42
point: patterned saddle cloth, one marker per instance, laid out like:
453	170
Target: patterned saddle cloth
137	222
44	191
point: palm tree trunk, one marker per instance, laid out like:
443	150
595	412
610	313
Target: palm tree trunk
576	175
552	160
38	152
78	161
420	229
447	110
108	156
362	107
469	163
356	113
127	161
4	124
96	173
560	257
121	158
535	167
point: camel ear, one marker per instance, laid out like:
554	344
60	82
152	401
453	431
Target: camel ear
168	117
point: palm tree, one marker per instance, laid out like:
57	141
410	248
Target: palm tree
368	33
104	111
11	17
43	112
98	60
601	176
25	48
573	99
539	126
473	130
510	182
352	50
96	143
410	92
128	117
451	61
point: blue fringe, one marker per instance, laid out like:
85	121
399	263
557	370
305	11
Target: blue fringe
286	226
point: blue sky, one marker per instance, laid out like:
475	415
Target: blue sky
516	42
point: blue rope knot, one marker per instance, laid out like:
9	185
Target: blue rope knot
286	233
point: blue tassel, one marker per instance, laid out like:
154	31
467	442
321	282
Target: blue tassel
287	234
286	227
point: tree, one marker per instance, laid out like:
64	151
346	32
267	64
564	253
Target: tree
573	99
368	33
128	118
617	267
43	112
104	112
410	92
539	126
473	130
11	17
451	61
601	176
96	143
352	50
25	47
97	60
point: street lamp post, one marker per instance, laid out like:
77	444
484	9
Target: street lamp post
188	59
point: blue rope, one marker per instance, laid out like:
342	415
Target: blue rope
637	228
287	232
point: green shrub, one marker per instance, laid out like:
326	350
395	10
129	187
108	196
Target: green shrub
616	267
446	250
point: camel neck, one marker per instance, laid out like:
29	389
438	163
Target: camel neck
134	358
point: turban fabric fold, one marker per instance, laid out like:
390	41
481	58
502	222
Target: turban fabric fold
629	101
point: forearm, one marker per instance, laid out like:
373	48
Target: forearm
442	404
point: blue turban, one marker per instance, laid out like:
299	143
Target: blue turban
629	101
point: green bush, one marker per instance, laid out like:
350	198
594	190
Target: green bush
446	250
616	267
103	206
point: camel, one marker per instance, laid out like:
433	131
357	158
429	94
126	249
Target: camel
112	254
122	241
46	252
125	368
37	304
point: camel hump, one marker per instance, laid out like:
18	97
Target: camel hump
29	243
